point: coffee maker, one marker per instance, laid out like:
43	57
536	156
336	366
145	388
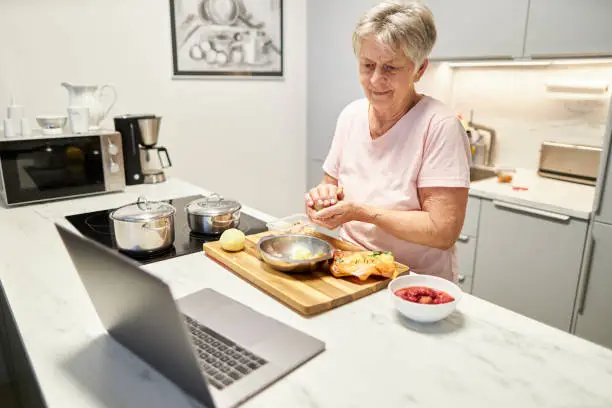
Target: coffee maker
144	160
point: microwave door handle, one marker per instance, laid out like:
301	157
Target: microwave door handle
163	163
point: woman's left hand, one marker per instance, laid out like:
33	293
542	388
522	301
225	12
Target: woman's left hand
333	216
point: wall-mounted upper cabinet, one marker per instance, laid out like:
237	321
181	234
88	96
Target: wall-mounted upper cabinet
479	29
558	28
502	29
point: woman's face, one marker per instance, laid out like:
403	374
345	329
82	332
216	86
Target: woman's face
387	76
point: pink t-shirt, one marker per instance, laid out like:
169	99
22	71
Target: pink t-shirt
427	147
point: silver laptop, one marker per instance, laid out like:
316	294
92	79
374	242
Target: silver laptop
216	349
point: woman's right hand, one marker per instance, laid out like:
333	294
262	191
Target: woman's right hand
323	196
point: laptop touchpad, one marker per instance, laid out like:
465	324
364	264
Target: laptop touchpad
229	318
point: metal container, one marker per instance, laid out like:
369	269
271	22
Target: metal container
282	252
213	214
149	130
143	227
570	162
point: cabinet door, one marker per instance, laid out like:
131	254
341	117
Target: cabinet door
488	29
569	27
529	261
472	215
466	251
465	283
594	318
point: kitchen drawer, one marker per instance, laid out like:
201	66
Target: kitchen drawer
465	283
472	215
466	253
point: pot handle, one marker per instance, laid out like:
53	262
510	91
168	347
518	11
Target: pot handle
143	200
167	162
214	197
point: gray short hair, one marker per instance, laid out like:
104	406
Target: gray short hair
400	24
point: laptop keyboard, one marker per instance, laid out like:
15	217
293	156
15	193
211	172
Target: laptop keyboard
222	361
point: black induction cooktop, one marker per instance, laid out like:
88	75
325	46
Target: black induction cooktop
97	226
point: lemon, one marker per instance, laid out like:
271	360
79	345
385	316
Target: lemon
232	240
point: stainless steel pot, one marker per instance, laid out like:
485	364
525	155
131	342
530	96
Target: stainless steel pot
213	214
146	226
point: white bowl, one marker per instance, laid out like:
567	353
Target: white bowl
420	312
52	123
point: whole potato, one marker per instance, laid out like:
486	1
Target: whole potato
232	240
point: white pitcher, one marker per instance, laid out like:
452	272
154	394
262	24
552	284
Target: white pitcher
90	96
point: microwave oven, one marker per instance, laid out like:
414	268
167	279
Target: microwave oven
53	167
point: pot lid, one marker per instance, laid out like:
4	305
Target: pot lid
143	210
213	205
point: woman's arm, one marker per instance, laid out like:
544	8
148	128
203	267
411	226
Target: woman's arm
437	225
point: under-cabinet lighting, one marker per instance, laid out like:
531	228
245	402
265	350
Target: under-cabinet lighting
528	63
586	61
476	64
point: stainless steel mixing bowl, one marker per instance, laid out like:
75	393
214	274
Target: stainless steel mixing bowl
280	251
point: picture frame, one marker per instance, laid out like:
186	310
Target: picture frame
227	38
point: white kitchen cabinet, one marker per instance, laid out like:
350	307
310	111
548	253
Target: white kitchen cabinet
466	244
466	255
528	261
472	215
559	28
474	29
594	317
465	283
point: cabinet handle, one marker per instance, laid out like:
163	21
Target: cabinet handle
461	278
603	170
463	238
534	211
586	272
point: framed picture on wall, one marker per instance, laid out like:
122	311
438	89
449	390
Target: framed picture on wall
214	38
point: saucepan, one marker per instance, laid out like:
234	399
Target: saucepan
144	226
213	214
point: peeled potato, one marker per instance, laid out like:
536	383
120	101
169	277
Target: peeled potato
232	240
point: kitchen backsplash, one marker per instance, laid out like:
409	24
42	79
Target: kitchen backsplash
516	103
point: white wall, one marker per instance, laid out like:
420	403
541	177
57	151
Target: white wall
242	138
514	101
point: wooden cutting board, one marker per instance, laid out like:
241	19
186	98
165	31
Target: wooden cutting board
308	294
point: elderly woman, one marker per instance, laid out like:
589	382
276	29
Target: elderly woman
398	171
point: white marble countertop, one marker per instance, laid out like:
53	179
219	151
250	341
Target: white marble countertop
572	199
481	356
